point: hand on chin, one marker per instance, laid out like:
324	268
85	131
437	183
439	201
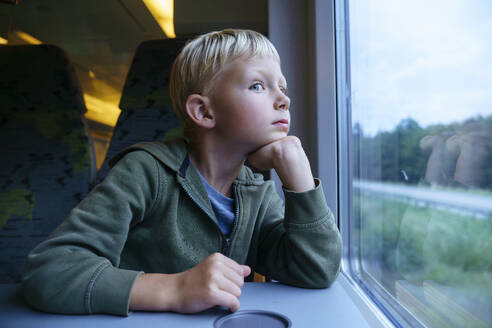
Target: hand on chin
263	157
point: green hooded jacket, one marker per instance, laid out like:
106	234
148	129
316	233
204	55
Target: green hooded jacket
152	214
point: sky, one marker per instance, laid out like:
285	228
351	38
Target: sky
426	60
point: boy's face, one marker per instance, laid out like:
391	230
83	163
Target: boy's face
250	102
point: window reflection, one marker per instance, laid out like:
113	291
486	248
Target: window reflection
422	156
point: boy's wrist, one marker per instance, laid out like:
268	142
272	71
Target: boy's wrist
298	183
154	292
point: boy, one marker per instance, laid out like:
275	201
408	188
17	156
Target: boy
190	214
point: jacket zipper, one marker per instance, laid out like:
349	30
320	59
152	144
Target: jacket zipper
226	242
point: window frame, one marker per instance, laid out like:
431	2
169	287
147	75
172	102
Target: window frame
332	117
381	302
308	42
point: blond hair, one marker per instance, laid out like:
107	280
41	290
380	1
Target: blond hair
202	59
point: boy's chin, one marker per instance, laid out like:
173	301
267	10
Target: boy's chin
254	145
275	137
270	139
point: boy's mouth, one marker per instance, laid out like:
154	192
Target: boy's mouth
282	123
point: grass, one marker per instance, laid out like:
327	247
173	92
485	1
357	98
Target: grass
419	243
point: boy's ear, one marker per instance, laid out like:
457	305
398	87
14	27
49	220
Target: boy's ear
199	111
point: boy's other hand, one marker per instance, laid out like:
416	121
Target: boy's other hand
217	280
289	160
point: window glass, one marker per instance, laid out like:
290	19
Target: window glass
420	77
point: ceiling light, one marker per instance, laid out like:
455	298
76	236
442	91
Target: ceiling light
163	13
27	38
101	110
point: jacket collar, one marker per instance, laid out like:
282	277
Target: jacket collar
174	155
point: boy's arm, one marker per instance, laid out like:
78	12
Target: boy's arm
301	245
76	269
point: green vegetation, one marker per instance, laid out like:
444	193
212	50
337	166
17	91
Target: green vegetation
436	261
419	243
383	157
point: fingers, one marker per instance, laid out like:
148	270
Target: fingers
230	285
230	281
242	270
233	276
232	272
227	300
217	280
269	155
246	270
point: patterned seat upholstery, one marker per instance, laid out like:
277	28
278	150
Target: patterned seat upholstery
146	109
47	162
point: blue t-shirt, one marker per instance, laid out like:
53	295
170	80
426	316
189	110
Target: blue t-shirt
223	207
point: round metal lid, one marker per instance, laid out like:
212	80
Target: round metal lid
253	319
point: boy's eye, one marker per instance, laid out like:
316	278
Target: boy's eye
256	86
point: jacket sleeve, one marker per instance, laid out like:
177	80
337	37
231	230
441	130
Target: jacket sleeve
76	269
300	245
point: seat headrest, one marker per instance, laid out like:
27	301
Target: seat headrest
147	82
39	76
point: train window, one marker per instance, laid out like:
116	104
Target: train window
415	124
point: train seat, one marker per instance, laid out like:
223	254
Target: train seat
146	109
47	163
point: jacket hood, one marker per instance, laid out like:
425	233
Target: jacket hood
174	155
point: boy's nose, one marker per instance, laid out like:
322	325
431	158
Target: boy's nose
282	102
